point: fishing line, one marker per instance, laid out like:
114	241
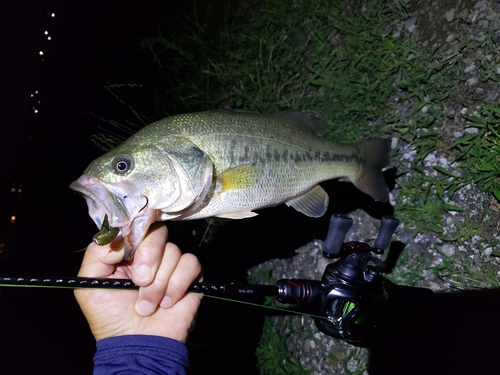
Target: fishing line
267	307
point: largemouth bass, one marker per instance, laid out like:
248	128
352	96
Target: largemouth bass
224	164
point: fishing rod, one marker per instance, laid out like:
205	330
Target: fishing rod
124	284
341	302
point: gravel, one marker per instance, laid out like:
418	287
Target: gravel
446	27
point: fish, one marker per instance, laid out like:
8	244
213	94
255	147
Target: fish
225	164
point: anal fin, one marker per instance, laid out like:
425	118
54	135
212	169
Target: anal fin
313	203
237	215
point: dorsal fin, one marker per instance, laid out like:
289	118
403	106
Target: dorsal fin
305	119
313	121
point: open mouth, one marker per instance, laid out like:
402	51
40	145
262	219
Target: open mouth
114	206
102	202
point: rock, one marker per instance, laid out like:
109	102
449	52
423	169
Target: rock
448	249
464	14
480	36
471	130
472	81
451	38
470	68
483	24
321	264
480	5
449	15
473	16
492	96
410	24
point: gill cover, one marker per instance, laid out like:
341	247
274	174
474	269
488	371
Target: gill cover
194	170
188	177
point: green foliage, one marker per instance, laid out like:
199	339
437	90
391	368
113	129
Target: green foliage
274	357
465	272
337	58
479	152
355	65
409	271
424	198
354	364
189	57
267	71
273	354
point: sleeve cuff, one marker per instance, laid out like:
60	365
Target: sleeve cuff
140	354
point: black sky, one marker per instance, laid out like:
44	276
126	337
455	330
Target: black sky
92	44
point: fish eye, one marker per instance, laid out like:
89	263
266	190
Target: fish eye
122	164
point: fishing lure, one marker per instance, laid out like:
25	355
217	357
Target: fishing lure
106	234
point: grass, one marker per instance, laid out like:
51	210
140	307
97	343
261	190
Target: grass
274	355
465	272
479	152
354	363
410	270
352	62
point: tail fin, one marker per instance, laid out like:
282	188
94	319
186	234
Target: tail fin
374	155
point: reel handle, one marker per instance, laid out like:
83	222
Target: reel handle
334	241
388	225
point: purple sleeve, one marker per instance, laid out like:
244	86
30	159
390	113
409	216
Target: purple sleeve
140	354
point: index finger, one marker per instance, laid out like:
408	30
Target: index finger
149	255
99	261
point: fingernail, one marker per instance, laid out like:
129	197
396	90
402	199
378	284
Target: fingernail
166	302
143	272
145	308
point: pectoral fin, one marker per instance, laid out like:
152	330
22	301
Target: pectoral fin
313	203
240	177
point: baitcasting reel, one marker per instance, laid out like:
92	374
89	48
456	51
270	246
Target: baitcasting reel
350	288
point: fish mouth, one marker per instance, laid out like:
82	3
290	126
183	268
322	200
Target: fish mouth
121	203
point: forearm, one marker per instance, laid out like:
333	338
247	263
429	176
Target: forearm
140	354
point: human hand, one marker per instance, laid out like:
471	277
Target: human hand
161	307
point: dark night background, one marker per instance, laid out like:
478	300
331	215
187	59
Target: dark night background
94	43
